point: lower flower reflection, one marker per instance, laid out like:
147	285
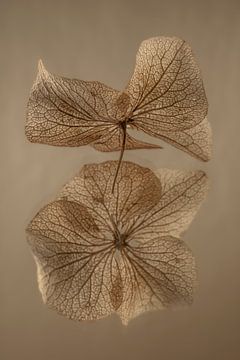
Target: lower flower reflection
99	252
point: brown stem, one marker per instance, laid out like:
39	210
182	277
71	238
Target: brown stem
124	129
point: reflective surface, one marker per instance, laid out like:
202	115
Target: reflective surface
98	41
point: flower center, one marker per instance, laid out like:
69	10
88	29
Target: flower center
119	240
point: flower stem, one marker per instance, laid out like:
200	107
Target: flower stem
124	129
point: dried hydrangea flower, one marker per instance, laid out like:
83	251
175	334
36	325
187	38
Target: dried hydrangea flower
99	253
165	98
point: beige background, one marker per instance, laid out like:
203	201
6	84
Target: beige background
97	40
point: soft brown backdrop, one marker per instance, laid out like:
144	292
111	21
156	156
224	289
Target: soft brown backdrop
97	40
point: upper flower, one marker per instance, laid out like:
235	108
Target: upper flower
164	98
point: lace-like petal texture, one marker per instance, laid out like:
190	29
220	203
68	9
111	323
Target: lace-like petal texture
99	253
165	98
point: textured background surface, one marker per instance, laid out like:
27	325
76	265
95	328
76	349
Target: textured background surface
97	40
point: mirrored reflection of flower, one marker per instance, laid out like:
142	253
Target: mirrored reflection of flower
100	253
